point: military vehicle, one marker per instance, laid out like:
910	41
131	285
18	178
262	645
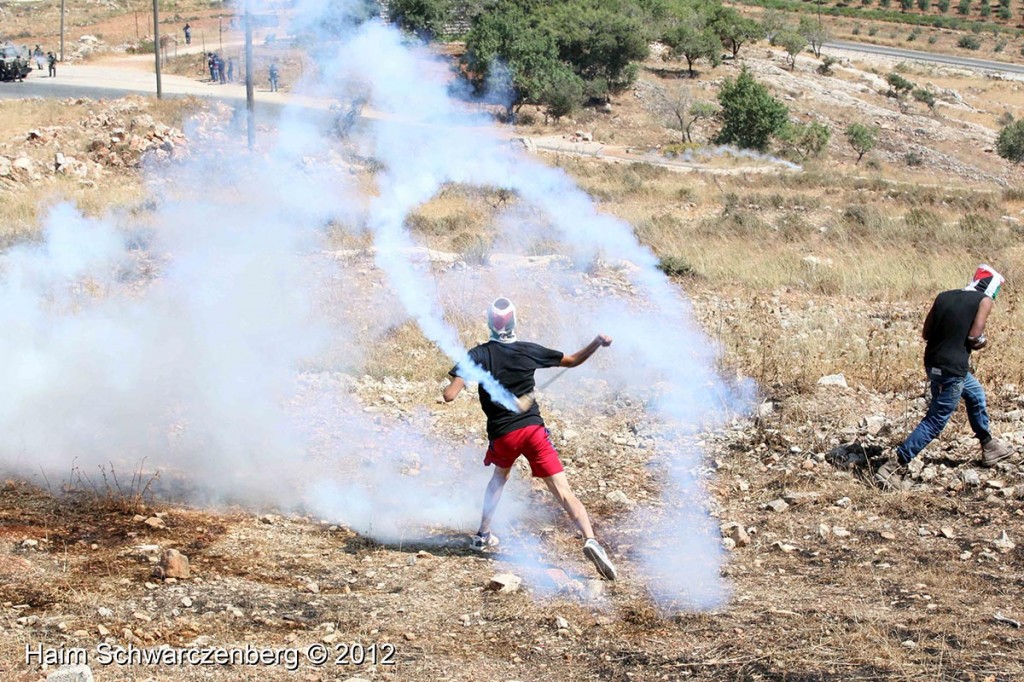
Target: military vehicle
14	63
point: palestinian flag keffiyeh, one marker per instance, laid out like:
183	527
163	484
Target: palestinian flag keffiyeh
987	281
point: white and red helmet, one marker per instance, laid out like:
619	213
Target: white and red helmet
501	319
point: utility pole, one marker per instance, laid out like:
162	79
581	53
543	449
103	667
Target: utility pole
62	2
249	91
156	46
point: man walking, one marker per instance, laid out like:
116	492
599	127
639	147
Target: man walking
51	59
512	363
273	74
954	327
188	33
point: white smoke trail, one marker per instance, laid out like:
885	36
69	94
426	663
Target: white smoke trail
215	366
434	145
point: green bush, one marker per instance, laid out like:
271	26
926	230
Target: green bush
924	96
856	30
1005	14
674	266
426	18
861	138
1010	143
932	39
943	6
969	43
872	31
799	142
913	159
986	8
750	115
963	7
1000	46
924	5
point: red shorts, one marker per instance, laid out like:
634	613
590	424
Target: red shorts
532	441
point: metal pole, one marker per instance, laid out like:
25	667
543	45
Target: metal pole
137	36
156	46
220	31
249	90
62	2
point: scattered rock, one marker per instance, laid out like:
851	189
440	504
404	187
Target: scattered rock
619	497
840	532
1004	544
155	522
970	477
947	532
833	380
71	673
873	425
173	564
736	532
504	582
887	535
777	505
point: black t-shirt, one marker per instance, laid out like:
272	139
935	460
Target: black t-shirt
513	365
953	314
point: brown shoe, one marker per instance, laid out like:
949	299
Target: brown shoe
887	476
993	452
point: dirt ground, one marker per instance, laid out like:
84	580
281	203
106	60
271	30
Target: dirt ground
830	580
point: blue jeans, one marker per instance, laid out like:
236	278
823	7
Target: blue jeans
946	393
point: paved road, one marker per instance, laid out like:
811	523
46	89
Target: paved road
916	55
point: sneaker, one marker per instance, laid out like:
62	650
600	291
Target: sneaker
887	476
484	542
595	552
993	452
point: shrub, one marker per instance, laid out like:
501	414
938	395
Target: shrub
1010	143
674	266
924	96
861	138
872	31
800	142
856	30
1005	14
913	159
963	7
986	8
1000	46
924	5
906	5
426	18
793	43
969	43
827	62
749	113
943	6
898	85
932	39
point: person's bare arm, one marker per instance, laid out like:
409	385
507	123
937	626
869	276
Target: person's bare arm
453	389
579	357
929	321
976	336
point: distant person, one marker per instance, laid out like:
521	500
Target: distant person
513	363
221	71
954	327
211	61
39	57
231	69
273	77
51	59
188	34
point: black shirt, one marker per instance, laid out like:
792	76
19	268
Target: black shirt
953	314
513	365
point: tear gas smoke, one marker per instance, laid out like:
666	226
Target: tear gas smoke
225	364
